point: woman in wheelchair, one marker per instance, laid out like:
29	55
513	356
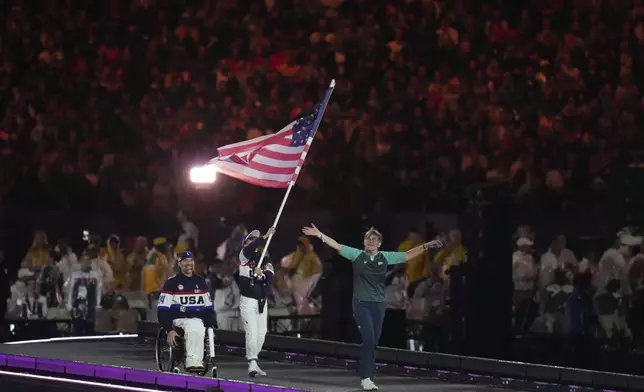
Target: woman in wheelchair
185	303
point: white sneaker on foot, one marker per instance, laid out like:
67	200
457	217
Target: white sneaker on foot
260	372
254	370
368	385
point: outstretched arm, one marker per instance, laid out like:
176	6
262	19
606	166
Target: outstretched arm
419	250
314	231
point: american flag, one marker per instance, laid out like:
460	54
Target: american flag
272	161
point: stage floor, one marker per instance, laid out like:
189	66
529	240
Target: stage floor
134	355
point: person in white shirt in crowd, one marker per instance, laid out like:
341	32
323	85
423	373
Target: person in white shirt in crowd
613	265
589	263
524	276
556	256
18	289
611	281
84	296
226	301
428	304
190	230
100	266
32	305
68	262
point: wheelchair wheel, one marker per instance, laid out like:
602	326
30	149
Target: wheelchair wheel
164	354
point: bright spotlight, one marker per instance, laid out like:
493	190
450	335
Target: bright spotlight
203	174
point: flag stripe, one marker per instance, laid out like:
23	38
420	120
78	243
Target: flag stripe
264	160
266	152
253	176
271	169
255	143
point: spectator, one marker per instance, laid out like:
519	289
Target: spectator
226	291
68	262
156	271
524	276
38	254
84	297
50	283
418	268
135	263
116	260
99	264
190	231
304	269
32	305
557	256
281	301
453	254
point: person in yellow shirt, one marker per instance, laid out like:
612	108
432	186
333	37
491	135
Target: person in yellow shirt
38	254
417	268
116	260
453	254
305	268
155	272
135	262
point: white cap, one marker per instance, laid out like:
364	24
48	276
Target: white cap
253	234
523	241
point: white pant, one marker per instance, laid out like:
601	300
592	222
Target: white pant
255	325
228	320
194	336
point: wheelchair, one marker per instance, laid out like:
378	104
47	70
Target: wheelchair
173	359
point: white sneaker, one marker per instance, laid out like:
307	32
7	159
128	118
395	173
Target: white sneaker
260	372
254	370
368	385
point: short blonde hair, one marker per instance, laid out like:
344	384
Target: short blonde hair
374	232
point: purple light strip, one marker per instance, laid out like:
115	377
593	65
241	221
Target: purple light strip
76	382
114	373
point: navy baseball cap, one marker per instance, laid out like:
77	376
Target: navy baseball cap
185	255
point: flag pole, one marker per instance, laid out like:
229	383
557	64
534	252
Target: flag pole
297	171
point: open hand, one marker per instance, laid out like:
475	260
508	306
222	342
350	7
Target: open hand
172	338
434	244
312	231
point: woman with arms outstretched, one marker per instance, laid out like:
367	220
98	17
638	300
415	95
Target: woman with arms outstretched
369	273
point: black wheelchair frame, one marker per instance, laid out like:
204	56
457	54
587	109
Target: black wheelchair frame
176	356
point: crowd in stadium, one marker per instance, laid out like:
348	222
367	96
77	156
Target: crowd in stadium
104	104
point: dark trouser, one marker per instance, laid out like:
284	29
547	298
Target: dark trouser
369	316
